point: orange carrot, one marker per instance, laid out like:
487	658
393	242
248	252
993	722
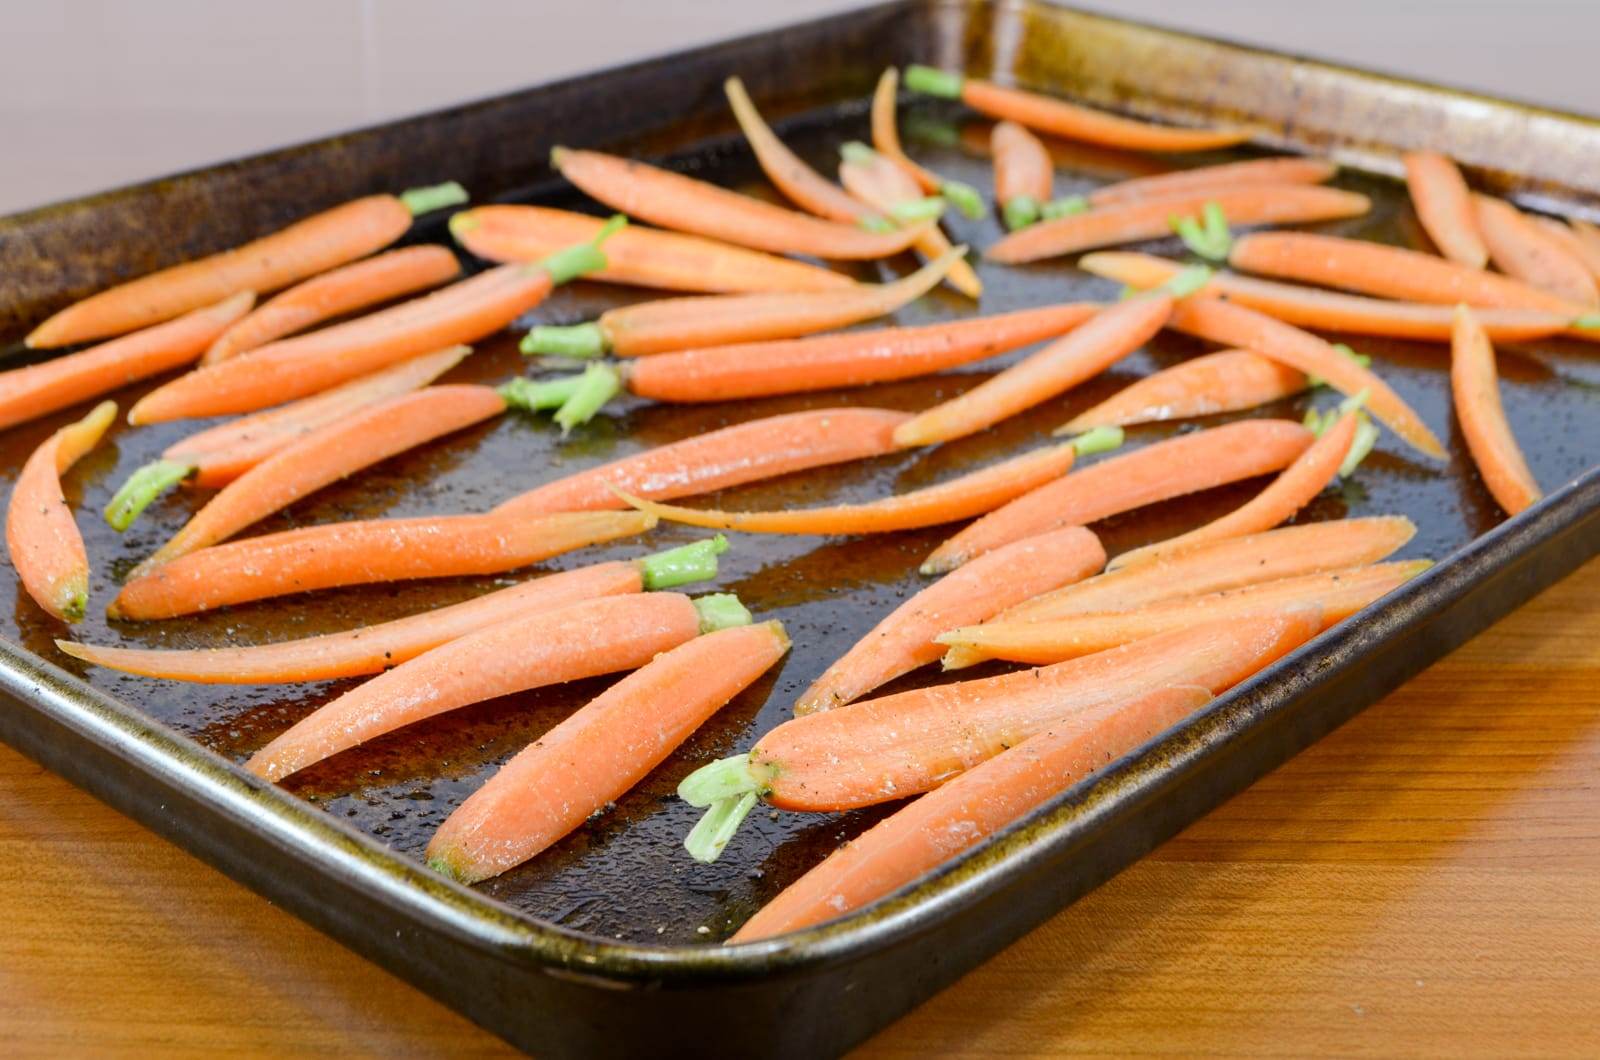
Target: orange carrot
1443	203
1584	250
889	191
1523	250
344	290
1024	175
1171	468
1226	381
1475	386
595	756
316	244
362	552
1060	118
46	549
40	389
886	138
585	639
1133	220
1081	354
1227	175
685	204
983	588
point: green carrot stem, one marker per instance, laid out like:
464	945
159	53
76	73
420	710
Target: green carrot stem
941	134
1360	446
143	487
1588	322
576	341
1360	358
931	82
1020	212
462	223
918	209
963	197
1097	440
709	837
1072	204
537	397
598	384
726	778
574	261
873	223
1187	282
721	611
857	153
435	197
682	565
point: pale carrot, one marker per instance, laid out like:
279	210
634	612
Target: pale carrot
904	640
886	138
362	552
585	639
1226	175
1475	387
889	191
1225	381
40	389
1444	205
594	757
1587	233
1081	354
41	536
1172	468
1584	250
1024	175
1060	118
316	244
1524	251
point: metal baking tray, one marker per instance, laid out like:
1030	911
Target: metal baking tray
607	943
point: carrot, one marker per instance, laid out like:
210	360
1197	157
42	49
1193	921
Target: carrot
315	244
1475	386
1226	175
373	649
883	749
1523	250
344	290
46	549
732	456
1583	250
1024	175
1133	220
40	389
362	552
1234	325
1167	469
1081	354
685	204
306	364
886	188
1307	307
585	639
953	818
886	138
643	257
1060	118
1444	205
1226	381
1339	594
904	640
593	757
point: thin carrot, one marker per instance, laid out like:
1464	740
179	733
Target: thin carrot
344	290
886	138
685	204
1570	238
585	639
1444	205
1225	381
315	244
1132	220
1024	175
595	756
904	640
1081	354
888	190
1475	386
362	552
40	389
1171	468
1523	250
1226	175
1060	118
46	549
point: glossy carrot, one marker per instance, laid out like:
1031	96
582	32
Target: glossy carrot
40	389
904	640
1475	387
1177	466
41	536
316	244
889	191
1081	354
362	552
1521	249
1444	205
344	290
595	756
1584	250
685	204
1226	381
1060	118
585	639
1226	175
886	138
1132	220
1024	175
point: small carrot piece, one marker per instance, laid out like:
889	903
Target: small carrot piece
1226	175
1475	387
1081	354
1524	251
595	756
344	290
1443	202
40	389
1060	118
41	536
1024	175
886	138
885	187
904	640
1225	381
1572	240
1172	468
1133	220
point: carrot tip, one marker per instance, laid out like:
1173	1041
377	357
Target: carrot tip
681	565
142	488
1020	212
435	197
931	82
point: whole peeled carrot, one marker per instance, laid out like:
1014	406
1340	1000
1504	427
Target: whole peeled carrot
1172	468
1081	354
1226	175
1444	205
886	138
1024	175
362	552
1060	118
585	639
40	389
46	549
904	640
316	244
891	192
595	756
1475	386
1521	249
344	290
1225	381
